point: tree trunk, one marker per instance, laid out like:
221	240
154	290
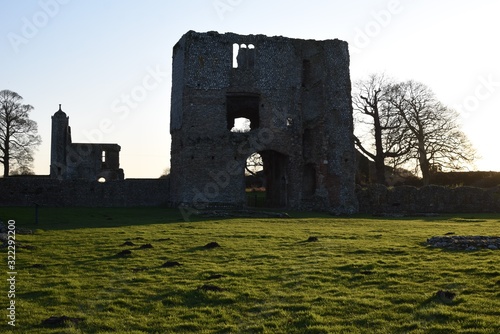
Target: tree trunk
424	166
380	170
379	150
6	165
6	157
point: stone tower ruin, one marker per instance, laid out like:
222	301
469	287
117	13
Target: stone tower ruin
295	97
70	161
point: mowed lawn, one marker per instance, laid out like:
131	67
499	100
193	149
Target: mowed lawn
362	275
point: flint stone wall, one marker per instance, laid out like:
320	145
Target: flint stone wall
429	199
297	96
82	193
375	199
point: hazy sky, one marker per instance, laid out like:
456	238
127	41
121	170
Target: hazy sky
108	62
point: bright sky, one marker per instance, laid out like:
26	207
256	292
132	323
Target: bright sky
109	62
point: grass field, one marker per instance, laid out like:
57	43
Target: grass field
363	275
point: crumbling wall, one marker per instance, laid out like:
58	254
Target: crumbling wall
296	94
71	161
25	191
93	161
377	198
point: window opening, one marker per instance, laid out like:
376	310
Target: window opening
242	113
268	186
254	164
243	56
255	180
236	49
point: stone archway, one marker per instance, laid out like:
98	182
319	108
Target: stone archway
275	165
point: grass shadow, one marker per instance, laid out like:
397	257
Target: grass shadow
82	217
196	298
196	249
437	299
78	218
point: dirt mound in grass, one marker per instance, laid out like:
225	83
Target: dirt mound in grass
446	295
128	243
215	276
210	287
211	245
170	264
124	253
61	321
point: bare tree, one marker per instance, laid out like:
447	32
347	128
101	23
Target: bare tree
372	109
165	174
18	133
431	129
254	164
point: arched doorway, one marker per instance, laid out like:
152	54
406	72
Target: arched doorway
267	179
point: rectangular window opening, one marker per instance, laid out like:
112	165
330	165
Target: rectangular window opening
236	49
243	56
242	113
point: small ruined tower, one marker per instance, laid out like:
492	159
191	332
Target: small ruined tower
85	161
294	97
60	139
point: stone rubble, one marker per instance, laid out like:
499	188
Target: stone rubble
467	243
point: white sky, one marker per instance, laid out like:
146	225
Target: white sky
93	55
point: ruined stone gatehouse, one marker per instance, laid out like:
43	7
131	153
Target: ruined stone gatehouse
294	95
70	161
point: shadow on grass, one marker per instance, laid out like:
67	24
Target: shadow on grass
40	294
438	299
77	218
196	249
196	298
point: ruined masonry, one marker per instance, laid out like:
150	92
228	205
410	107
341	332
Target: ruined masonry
294	95
71	161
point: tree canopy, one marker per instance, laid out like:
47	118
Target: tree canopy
409	127
18	134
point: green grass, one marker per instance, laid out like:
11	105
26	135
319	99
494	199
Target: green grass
364	275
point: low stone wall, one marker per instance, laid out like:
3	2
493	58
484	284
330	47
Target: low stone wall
374	199
55	193
429	199
468	243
